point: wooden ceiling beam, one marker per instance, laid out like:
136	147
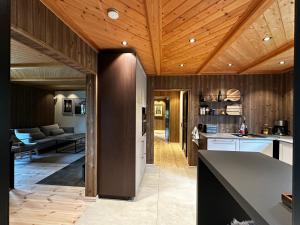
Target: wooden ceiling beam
255	9
270	55
153	11
33	65
48	80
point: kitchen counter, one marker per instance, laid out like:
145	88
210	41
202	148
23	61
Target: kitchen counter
252	180
288	139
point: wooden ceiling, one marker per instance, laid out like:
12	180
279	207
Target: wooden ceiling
226	32
30	67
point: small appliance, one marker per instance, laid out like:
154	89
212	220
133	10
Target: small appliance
280	127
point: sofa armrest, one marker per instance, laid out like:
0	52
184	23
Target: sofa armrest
68	129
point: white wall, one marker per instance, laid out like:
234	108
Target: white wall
76	121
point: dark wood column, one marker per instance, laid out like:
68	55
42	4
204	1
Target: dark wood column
296	167
91	142
4	109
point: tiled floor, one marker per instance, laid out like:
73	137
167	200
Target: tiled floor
167	195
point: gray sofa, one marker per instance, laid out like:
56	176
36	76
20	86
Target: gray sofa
43	137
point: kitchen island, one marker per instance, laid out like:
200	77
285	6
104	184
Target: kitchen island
242	185
279	147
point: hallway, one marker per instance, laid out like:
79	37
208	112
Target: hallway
167	195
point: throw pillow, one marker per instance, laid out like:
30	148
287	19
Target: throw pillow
56	132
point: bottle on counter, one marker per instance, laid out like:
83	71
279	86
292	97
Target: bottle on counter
220	96
243	129
201	97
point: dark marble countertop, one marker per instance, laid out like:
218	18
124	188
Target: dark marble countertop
255	181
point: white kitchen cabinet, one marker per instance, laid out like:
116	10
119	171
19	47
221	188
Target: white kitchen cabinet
286	152
218	144
263	146
141	99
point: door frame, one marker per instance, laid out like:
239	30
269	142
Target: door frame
296	156
186	151
4	110
150	119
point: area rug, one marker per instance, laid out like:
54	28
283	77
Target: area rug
70	175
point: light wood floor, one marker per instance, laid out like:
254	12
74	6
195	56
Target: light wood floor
32	204
46	205
168	154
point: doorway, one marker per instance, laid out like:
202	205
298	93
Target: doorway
184	124
170	125
162	118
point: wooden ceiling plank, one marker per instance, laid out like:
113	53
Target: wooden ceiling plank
273	18
208	22
204	40
66	19
180	10
153	11
287	11
170	5
272	65
256	9
270	55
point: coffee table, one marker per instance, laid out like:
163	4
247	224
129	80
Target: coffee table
75	138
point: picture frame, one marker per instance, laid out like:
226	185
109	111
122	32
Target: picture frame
74	106
67	107
158	110
80	106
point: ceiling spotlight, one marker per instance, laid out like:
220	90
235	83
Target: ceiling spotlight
181	65
230	64
124	43
267	38
192	40
113	14
282	62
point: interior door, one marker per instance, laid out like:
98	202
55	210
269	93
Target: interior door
167	120
185	122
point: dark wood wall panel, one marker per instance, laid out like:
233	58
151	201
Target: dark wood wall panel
266	98
117	155
31	107
174	112
35	25
91	159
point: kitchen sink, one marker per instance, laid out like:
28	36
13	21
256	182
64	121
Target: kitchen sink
249	135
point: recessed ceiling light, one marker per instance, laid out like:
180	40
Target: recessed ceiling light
267	38
192	40
230	64
282	62
124	43
181	65
113	14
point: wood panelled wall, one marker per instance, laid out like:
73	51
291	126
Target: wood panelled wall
36	26
160	122
31	107
174	97
266	98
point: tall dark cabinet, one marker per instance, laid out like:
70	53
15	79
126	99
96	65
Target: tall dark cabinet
119	152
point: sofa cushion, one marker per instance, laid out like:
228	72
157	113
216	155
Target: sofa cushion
28	130
47	129
56	132
28	136
38	136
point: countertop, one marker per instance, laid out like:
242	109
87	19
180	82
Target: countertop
255	181
287	139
